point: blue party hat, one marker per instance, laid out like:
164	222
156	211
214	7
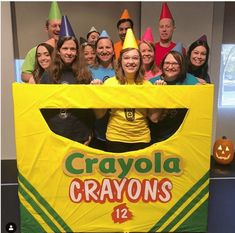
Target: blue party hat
104	34
178	48
66	29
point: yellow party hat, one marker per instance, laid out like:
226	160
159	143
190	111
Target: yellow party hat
130	41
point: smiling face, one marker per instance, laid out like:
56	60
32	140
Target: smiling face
68	52
104	50
93	37
166	29
171	68
89	55
122	29
147	53
53	28
198	56
130	62
43	57
223	151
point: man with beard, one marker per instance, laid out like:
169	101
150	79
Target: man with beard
123	24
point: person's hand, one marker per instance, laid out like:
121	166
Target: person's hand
160	82
96	82
201	81
31	80
88	141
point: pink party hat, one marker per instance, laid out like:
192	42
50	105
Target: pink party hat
148	35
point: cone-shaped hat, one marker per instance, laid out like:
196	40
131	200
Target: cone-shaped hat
202	38
178	48
148	35
130	41
82	41
54	12
104	34
66	29
165	13
125	15
93	29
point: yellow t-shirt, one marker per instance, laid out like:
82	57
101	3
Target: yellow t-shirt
127	125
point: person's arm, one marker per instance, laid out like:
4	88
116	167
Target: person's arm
26	77
31	80
155	114
27	67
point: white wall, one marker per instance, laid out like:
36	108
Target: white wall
82	15
192	19
7	77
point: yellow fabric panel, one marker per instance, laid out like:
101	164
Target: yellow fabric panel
113	82
42	156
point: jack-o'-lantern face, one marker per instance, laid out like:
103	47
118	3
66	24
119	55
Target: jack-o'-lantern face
223	151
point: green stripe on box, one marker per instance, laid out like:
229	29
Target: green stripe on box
34	205
179	203
28	222
196	220
187	209
43	202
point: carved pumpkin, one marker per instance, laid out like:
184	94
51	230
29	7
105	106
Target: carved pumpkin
223	151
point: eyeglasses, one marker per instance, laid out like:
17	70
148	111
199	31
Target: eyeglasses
173	64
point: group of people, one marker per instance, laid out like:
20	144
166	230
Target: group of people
96	60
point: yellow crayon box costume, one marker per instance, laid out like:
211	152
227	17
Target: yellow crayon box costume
65	186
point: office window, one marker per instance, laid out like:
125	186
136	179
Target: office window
227	76
18	64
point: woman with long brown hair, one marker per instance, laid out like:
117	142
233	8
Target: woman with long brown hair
43	60
75	124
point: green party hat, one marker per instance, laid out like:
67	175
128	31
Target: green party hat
54	11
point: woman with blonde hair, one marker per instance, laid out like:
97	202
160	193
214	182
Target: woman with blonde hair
147	50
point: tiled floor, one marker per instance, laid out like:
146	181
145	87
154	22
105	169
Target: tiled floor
221	201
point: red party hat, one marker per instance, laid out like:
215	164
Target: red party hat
165	13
